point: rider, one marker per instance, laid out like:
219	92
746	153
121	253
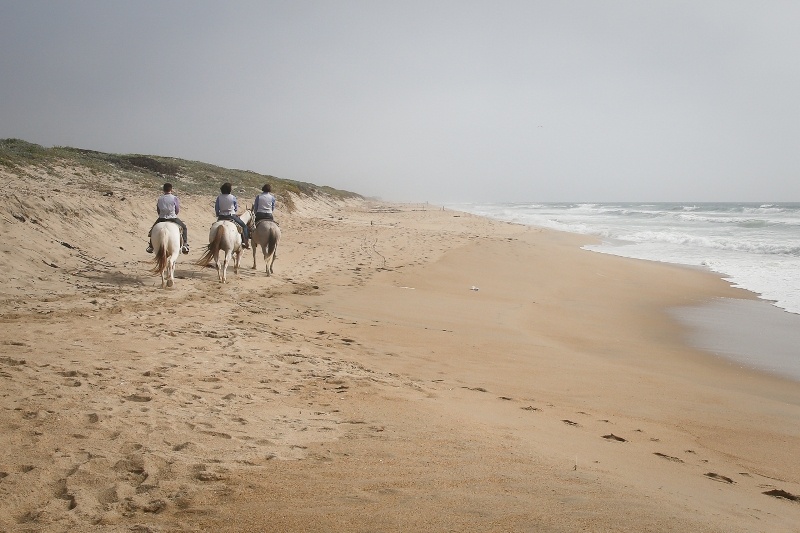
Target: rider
264	205
226	206
168	206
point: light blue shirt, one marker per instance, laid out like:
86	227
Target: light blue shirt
265	203
168	206
226	204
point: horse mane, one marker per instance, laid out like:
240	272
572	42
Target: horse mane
249	218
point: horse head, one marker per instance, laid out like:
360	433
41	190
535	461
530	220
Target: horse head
249	218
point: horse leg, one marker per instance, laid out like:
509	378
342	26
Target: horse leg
219	264
164	262
225	261
237	257
171	271
255	246
272	254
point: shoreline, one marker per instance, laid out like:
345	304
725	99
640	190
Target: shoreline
722	237
739	329
366	386
731	327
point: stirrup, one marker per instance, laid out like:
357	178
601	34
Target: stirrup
185	248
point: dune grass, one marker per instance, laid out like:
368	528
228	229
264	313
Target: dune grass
151	171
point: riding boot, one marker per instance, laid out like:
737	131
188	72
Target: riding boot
150	248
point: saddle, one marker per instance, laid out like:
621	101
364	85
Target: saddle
265	216
230	219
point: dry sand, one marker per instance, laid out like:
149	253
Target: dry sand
365	386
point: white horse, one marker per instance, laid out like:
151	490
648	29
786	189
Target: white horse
224	237
166	239
266	234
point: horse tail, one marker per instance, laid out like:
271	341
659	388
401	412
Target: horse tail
272	242
213	247
161	258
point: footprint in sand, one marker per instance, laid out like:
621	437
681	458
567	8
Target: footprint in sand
778	493
720	478
668	457
477	389
138	398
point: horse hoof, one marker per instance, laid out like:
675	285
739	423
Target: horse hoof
170	283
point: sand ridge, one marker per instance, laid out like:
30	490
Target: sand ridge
365	386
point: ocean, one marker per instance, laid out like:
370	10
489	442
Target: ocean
754	246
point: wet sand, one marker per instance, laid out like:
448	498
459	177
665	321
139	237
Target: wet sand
367	386
752	333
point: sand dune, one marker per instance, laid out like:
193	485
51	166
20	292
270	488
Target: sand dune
366	386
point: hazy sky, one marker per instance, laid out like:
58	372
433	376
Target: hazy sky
429	100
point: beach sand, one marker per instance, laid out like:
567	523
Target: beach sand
406	368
